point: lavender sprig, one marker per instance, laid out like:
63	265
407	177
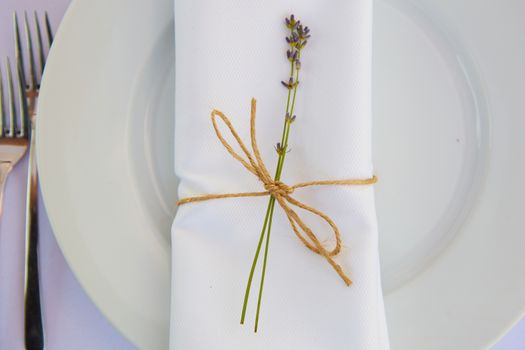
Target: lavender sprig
297	40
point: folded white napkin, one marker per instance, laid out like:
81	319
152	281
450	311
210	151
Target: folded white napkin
228	51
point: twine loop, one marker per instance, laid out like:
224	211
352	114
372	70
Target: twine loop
281	192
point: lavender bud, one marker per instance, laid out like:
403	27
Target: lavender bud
291	23
279	148
293	39
290	84
291	54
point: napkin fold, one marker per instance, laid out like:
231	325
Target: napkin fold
228	51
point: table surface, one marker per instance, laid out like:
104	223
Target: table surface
71	320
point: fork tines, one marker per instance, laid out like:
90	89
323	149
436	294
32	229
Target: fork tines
8	109
32	83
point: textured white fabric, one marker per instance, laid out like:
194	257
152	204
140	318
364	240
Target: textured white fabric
228	51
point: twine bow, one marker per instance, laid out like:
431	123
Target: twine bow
280	191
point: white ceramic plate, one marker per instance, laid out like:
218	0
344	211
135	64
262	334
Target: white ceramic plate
448	144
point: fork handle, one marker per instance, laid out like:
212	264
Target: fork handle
33	326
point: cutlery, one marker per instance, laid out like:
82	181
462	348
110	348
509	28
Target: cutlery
13	126
33	325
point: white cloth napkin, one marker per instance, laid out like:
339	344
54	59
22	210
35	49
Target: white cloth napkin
228	51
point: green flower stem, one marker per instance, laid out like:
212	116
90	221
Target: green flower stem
286	133
269	213
254	264
271	203
267	226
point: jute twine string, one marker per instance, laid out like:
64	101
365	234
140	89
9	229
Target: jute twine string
280	191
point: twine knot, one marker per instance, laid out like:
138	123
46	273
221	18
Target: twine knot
281	192
278	188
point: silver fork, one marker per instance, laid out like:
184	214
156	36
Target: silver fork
33	325
13	137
